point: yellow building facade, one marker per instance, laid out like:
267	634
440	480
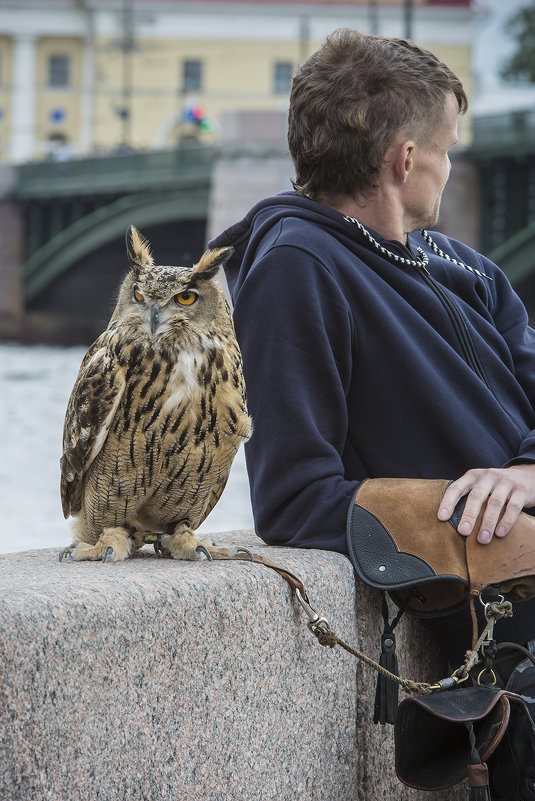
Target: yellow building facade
91	76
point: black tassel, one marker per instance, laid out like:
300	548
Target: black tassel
478	779
386	693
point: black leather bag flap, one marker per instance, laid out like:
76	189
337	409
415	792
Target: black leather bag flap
396	543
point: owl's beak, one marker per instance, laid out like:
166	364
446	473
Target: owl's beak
154	318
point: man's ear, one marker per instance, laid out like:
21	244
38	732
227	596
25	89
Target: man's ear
405	159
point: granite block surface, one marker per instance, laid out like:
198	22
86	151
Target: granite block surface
156	679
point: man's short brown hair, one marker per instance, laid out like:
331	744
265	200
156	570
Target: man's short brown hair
352	98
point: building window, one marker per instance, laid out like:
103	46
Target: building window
282	77
58	70
191	76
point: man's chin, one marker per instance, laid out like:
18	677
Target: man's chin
429	222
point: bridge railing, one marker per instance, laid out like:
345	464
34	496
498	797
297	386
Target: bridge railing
114	173
503	133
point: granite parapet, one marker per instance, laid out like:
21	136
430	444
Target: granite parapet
154	679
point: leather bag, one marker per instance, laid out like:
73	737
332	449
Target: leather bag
397	543
480	733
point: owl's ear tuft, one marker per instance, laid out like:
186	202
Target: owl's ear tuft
210	262
138	250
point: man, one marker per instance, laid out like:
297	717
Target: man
371	348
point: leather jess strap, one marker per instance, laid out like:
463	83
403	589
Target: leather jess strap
242	553
290	578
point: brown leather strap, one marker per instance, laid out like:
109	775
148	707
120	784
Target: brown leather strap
517	647
478	775
241	552
294	582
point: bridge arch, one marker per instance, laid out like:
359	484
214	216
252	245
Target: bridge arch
104	225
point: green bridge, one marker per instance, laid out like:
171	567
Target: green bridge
73	208
74	214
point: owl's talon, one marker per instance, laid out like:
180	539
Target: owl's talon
243	549
203	549
158	549
108	554
67	551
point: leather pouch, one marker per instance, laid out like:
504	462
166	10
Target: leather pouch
443	738
397	543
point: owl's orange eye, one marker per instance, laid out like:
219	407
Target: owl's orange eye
186	298
138	296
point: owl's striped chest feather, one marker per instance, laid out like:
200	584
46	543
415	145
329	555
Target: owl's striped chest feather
182	414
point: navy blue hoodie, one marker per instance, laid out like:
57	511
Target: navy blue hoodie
357	366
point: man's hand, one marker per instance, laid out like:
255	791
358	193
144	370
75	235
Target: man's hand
501	493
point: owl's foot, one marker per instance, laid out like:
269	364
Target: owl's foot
183	544
114	545
68	551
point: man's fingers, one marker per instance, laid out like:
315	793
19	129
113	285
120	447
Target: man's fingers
482	492
501	493
494	508
452	496
510	516
477	497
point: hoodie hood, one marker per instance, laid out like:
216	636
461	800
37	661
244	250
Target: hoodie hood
245	236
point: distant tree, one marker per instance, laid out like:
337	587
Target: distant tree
521	65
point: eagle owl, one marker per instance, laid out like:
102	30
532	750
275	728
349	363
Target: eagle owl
156	415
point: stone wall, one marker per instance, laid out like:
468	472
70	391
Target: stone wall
156	679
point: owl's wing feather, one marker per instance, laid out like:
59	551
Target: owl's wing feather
92	406
215	493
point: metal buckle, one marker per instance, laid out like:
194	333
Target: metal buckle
315	621
491	673
490	623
